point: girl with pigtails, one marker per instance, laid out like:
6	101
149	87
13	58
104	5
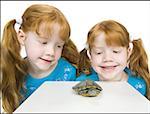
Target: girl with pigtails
110	55
51	55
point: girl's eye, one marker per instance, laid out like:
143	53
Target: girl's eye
114	51
44	42
59	46
99	53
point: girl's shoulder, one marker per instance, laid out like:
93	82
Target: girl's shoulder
65	63
134	78
65	71
136	81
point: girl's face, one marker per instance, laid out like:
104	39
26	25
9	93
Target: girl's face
43	53
108	61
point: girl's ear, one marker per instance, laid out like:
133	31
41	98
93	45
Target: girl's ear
130	49
21	37
88	54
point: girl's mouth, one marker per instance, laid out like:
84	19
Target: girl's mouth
108	68
46	60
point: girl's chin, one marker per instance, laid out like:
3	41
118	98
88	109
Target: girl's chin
106	78
45	67
106	72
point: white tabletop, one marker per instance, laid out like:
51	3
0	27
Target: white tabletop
59	97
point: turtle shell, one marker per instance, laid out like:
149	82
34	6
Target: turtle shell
87	88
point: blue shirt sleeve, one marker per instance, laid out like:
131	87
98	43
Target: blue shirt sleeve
66	71
138	83
69	73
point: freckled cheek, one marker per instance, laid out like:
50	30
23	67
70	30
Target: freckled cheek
121	59
58	54
33	52
96	60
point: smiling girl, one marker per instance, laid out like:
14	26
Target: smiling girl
110	55
51	55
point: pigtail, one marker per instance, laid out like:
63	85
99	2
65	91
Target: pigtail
84	64
71	53
13	68
139	63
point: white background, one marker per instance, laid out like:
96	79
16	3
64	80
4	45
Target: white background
82	15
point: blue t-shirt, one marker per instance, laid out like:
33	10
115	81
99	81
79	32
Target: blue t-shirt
137	82
64	71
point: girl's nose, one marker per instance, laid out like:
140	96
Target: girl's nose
107	56
50	51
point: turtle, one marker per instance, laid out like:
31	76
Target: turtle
87	88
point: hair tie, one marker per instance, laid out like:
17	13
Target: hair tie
131	37
18	24
131	45
19	21
87	46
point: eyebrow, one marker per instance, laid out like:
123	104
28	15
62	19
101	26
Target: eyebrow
97	47
61	42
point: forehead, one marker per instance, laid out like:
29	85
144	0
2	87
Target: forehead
32	36
100	40
47	31
109	39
